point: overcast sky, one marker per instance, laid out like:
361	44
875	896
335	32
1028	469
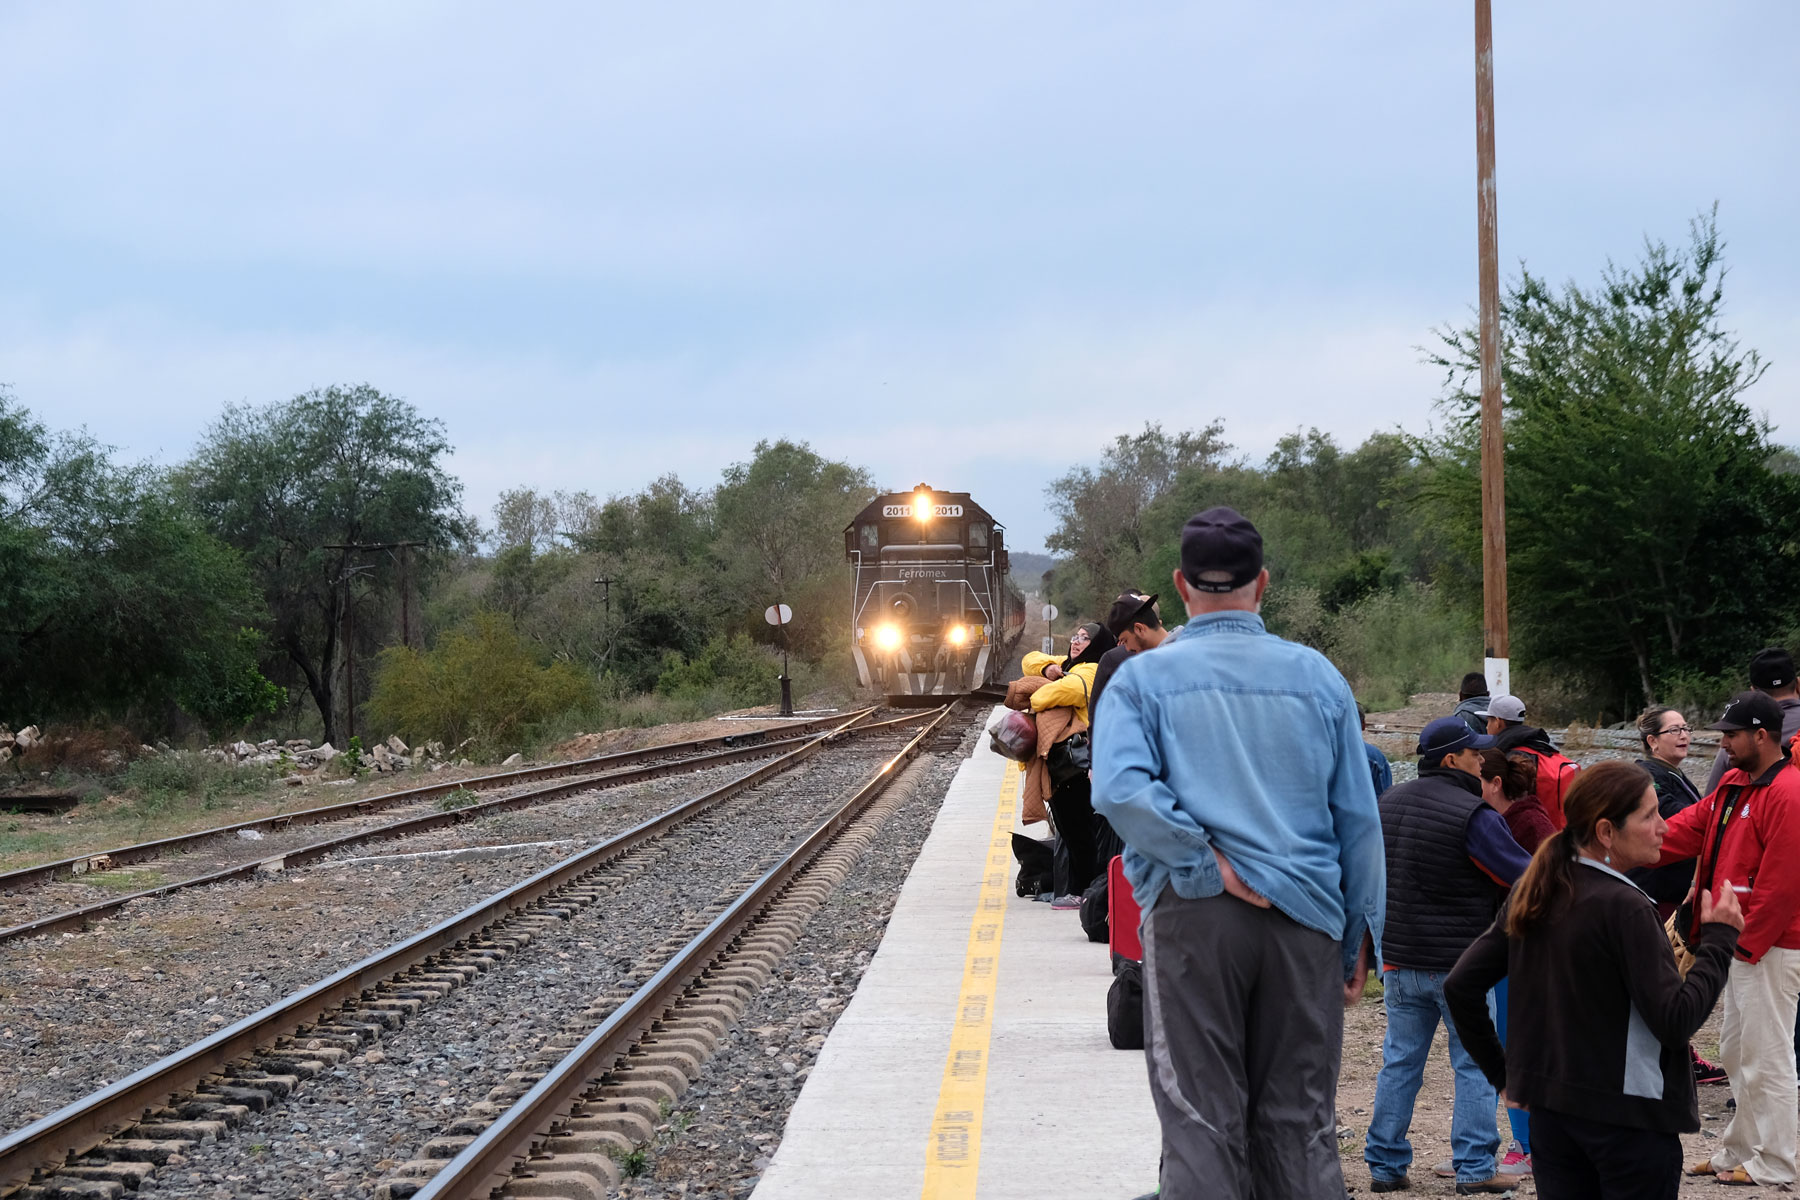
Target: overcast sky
965	244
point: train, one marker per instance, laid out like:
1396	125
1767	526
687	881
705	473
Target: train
934	609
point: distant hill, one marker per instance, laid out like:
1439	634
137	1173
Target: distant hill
1028	569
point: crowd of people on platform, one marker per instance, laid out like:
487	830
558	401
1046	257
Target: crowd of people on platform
1570	928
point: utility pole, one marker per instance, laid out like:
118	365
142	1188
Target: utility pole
346	574
1497	658
605	583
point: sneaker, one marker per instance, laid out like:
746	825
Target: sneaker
1709	1073
1516	1162
1445	1170
1389	1185
1502	1181
1065	903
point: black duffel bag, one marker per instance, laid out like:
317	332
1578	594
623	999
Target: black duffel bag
1125	1004
1093	911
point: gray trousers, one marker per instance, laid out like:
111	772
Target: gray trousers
1243	1032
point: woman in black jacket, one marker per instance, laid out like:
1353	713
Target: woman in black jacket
1596	1047
1665	734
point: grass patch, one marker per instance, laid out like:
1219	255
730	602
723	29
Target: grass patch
156	786
124	881
461	798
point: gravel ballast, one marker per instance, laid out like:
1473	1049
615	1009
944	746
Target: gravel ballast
340	1132
83	1010
721	1134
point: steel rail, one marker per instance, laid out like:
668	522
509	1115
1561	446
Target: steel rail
300	856
79	1126
81	864
488	1161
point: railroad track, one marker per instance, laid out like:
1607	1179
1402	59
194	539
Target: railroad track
196	1093
105	860
81	917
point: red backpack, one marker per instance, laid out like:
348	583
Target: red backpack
1554	775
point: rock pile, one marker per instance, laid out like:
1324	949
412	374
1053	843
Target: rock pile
14	744
298	755
389	756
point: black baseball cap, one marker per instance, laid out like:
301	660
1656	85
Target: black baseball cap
1126	611
1220	550
1772	668
1751	710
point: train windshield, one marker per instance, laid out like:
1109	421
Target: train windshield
871	537
978	535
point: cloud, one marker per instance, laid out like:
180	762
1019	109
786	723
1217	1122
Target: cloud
997	410
965	245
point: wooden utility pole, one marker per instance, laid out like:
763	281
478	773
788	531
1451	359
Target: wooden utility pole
346	576
1497	666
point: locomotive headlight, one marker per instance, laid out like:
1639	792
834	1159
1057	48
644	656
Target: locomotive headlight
922	506
959	634
887	637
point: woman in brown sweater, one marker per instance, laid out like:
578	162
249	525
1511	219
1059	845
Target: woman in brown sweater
1597	1044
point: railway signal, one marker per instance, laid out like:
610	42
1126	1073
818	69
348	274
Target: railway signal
780	615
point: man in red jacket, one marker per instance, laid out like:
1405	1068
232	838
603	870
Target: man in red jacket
1748	831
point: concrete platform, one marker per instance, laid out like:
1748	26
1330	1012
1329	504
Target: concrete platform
973	1061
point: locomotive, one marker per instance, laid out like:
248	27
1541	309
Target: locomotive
934	613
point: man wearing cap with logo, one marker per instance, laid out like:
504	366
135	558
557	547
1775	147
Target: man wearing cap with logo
1747	830
1450	859
1231	763
1772	673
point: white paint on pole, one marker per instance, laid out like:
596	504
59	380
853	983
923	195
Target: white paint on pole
1499	676
778	614
1049	645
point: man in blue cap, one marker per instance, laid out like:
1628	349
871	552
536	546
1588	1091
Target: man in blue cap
1232	765
1450	859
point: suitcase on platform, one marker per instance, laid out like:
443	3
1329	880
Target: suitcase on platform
1122	914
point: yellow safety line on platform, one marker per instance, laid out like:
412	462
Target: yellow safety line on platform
953	1156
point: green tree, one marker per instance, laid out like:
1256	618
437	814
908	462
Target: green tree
112	596
1646	535
779	536
1101	515
287	483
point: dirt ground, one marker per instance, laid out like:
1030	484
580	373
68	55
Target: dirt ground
1430	1135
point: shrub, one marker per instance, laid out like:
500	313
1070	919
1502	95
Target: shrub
480	681
1394	643
731	672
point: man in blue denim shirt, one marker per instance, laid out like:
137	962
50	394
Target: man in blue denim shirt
1233	768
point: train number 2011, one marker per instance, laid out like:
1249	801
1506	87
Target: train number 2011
906	510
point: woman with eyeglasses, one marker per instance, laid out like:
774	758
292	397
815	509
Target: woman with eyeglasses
1666	735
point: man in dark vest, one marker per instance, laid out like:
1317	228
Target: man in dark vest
1450	859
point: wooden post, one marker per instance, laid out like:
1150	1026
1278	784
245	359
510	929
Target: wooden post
1496	651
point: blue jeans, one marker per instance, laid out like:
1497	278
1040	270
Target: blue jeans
1415	1005
1517	1117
